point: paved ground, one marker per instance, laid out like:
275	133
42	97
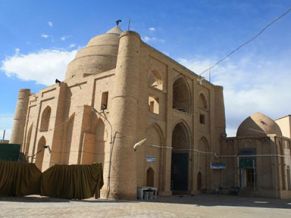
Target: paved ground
187	206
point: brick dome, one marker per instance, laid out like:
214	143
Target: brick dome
258	125
98	56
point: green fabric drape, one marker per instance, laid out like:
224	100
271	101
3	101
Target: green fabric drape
19	179
72	181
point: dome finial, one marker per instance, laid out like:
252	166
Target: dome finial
117	22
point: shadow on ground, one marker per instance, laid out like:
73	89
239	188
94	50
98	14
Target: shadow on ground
195	200
33	199
226	200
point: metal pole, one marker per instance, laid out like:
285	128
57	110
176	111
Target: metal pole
4	135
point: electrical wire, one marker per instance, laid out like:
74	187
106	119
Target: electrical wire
260	32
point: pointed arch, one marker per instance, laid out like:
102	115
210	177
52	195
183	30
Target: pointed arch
45	119
40	152
203	103
94	140
27	142
155	80
100	141
181	136
153	150
150	177
203	157
68	139
199	181
203	144
181	95
180	158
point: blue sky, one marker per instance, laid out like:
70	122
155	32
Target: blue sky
196	33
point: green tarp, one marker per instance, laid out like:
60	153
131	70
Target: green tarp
72	181
9	151
60	181
19	179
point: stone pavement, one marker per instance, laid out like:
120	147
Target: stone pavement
186	206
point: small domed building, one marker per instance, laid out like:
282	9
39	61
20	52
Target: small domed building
258	159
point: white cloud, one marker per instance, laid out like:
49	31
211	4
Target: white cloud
152	29
72	45
250	84
17	50
152	39
50	23
64	38
45	36
43	66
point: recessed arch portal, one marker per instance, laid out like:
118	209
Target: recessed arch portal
181	95
180	158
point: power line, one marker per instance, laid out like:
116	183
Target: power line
248	41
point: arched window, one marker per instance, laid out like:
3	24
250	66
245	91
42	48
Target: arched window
155	80
40	152
150	177
45	119
181	95
154	104
203	102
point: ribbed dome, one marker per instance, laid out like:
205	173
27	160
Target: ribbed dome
98	56
258	125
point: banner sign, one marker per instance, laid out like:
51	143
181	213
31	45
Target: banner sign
150	158
217	166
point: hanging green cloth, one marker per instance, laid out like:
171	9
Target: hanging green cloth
19	179
72	181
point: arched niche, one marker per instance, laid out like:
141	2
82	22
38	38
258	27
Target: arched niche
94	140
180	159
203	102
100	141
45	119
155	80
40	152
153	152
27	142
203	157
181	95
68	139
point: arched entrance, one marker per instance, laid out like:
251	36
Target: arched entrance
180	159
150	177
199	181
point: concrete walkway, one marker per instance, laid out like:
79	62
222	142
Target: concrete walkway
183	206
